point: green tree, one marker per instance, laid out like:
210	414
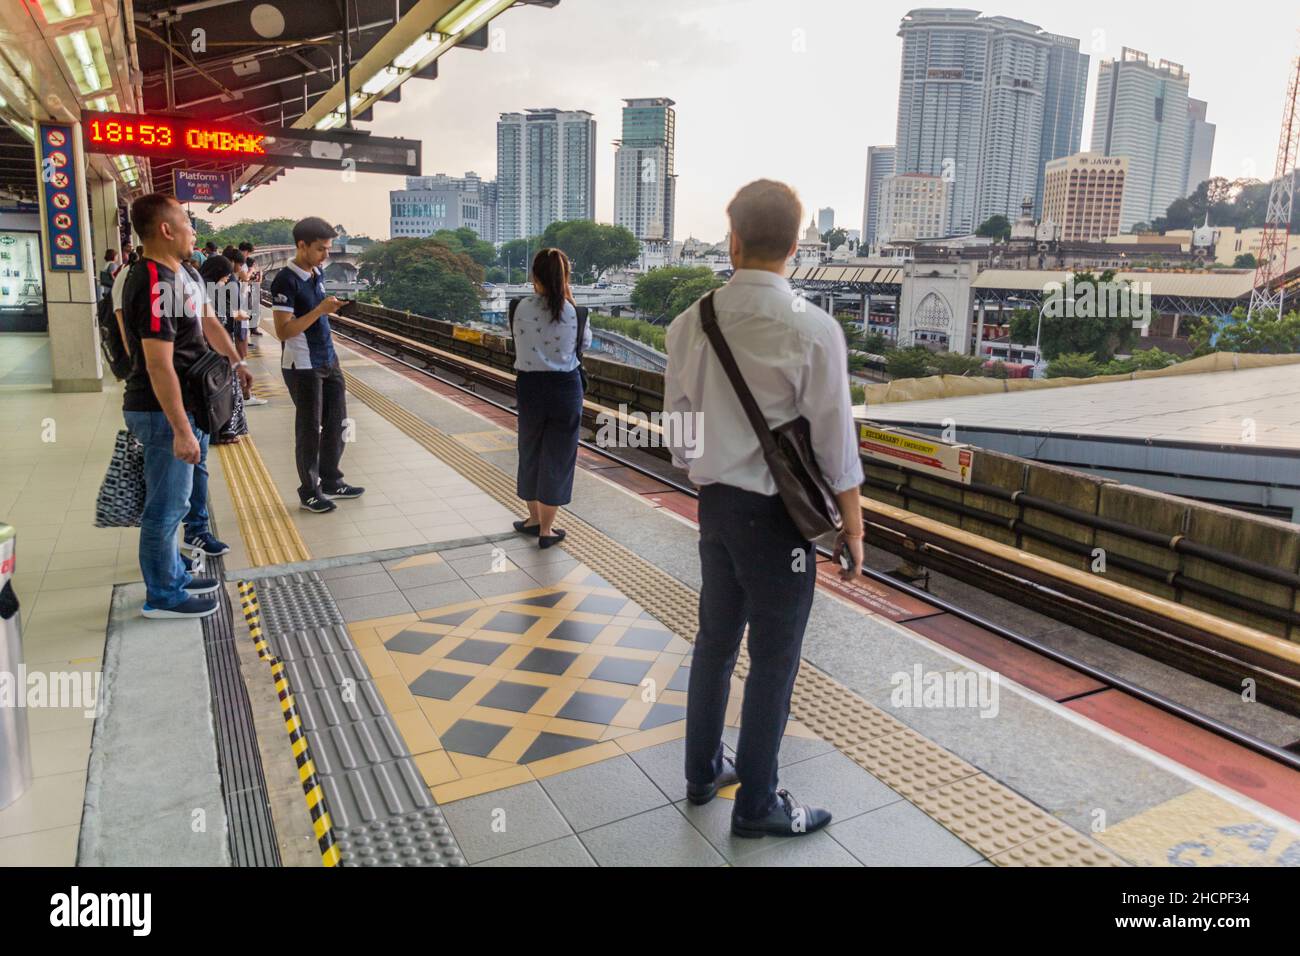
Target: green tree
425	276
466	241
1141	360
950	363
652	295
1245	261
995	227
260	232
685	293
1265	333
1072	365
1085	325
834	238
913	362
593	247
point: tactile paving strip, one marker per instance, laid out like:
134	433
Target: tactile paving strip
977	809
268	532
380	808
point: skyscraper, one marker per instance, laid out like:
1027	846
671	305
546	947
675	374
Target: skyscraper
880	165
1063	102
645	171
825	220
1141	112
977	96
1200	145
546	170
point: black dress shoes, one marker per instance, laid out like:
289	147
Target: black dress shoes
787	818
701	793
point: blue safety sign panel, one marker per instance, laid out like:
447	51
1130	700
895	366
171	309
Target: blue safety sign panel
59	178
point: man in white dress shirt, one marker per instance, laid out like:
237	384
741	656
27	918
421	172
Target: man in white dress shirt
757	568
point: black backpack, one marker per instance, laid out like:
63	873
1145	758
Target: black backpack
110	339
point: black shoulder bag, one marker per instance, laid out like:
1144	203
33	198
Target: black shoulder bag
787	449
211	385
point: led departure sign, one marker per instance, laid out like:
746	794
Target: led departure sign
127	134
196	140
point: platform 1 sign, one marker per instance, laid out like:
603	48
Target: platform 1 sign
201	185
927	456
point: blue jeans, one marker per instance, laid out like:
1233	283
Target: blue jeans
748	547
196	519
169	486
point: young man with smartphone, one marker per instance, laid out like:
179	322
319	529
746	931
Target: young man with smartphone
301	312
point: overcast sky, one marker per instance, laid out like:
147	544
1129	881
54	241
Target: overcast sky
792	91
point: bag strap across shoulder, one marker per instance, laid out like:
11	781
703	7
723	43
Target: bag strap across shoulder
709	322
514	304
582	327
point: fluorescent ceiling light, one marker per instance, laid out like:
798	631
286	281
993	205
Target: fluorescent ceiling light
464	14
417	51
83	51
56	11
379	82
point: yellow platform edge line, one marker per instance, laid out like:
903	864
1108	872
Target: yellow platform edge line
270	536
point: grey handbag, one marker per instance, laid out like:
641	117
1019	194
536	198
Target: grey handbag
787	449
121	497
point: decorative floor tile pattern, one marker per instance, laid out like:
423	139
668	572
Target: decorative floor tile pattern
519	686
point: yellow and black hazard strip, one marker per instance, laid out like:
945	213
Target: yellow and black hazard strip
311	788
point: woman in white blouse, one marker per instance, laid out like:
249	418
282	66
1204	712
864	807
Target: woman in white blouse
550	333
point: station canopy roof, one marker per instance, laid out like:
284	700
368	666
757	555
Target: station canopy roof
258	62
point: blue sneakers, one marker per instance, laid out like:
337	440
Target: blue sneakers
202	586
206	543
192	607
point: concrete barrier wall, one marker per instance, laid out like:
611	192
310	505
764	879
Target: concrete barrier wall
1262	540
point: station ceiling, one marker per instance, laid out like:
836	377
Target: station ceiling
257	62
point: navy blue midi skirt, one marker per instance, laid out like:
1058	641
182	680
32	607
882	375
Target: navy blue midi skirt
550	413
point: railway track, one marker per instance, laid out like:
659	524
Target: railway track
1233	756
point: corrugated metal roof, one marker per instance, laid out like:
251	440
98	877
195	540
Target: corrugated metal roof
1210	285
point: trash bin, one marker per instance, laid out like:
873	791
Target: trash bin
15	745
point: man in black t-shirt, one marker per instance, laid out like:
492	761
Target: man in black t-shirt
168	327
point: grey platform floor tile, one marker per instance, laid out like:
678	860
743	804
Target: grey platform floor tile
665	764
603	792
422	575
566	851
793	749
660	837
713	820
548	574
360	585
501	822
505	582
835	782
582	631
373	605
476	565
349	570
901	835
816	849
535	557
439	595
450	555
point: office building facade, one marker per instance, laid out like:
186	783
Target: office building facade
1083	195
825	220
1141	112
546	170
431	203
880	166
913	206
645	170
984	102
1200	145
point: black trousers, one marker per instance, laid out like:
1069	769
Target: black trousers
757	570
320	398
550	413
